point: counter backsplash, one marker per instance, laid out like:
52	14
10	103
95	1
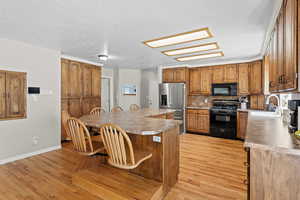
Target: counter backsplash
205	100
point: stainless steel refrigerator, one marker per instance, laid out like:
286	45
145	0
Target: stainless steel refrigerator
173	96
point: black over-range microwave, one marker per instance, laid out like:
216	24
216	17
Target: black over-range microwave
228	89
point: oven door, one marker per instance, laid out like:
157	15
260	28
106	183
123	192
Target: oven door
223	125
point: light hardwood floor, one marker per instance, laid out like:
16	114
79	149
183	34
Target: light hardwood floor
210	169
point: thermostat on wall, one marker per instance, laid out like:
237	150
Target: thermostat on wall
33	90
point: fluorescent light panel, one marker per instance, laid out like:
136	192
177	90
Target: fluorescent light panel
190	36
200	56
192	49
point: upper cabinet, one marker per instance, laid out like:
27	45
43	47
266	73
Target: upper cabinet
200	81
12	95
256	78
175	75
243	79
282	50
231	75
218	74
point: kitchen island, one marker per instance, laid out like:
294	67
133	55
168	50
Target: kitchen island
147	132
273	159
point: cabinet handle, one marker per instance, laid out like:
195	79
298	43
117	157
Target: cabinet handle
246	182
246	164
271	84
280	79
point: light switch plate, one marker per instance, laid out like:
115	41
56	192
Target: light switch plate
157	139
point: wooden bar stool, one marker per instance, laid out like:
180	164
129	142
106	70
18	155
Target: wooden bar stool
134	107
116	109
81	138
97	111
119	148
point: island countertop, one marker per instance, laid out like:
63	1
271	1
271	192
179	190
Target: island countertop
270	132
134	122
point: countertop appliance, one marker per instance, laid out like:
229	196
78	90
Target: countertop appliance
228	89
293	107
173	96
223	118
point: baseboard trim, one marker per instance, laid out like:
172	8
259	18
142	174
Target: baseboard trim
27	155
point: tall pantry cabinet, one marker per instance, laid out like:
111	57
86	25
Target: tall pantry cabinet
80	88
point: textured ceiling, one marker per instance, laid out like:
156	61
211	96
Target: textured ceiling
86	28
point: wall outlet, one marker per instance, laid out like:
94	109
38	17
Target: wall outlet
157	139
35	140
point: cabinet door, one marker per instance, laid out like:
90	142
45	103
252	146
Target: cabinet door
280	58
273	72
75	109
2	95
195	82
96	82
218	74
64	78
180	75
290	45
64	107
243	79
205	81
16	94
89	103
191	120
75	80
256	78
203	123
168	75
87	80
230	74
242	119
261	102
253	102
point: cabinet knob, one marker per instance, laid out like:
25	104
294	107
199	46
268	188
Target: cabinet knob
246	182
246	164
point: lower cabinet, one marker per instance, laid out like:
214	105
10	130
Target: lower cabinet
198	120
242	118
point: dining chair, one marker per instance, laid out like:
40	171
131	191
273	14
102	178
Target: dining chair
119	148
97	111
116	109
134	107
64	118
81	138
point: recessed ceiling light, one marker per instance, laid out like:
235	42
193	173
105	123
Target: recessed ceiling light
200	56
103	57
190	36
192	49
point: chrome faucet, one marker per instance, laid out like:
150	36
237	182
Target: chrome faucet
278	108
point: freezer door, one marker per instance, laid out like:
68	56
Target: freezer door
171	95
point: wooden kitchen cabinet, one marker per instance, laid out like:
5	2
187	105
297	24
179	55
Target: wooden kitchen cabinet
175	75
200	81
257	102
13	90
256	78
80	87
243	79
218	74
283	50
290	45
198	121
231	75
242	120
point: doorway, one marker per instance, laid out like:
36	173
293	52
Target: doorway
106	93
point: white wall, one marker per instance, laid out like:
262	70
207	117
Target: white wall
129	76
149	88
43	116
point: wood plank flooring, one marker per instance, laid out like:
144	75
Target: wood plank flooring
210	169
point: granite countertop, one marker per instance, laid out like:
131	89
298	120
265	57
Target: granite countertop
270	132
135	122
199	107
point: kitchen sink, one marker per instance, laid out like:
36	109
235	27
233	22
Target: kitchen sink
265	114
